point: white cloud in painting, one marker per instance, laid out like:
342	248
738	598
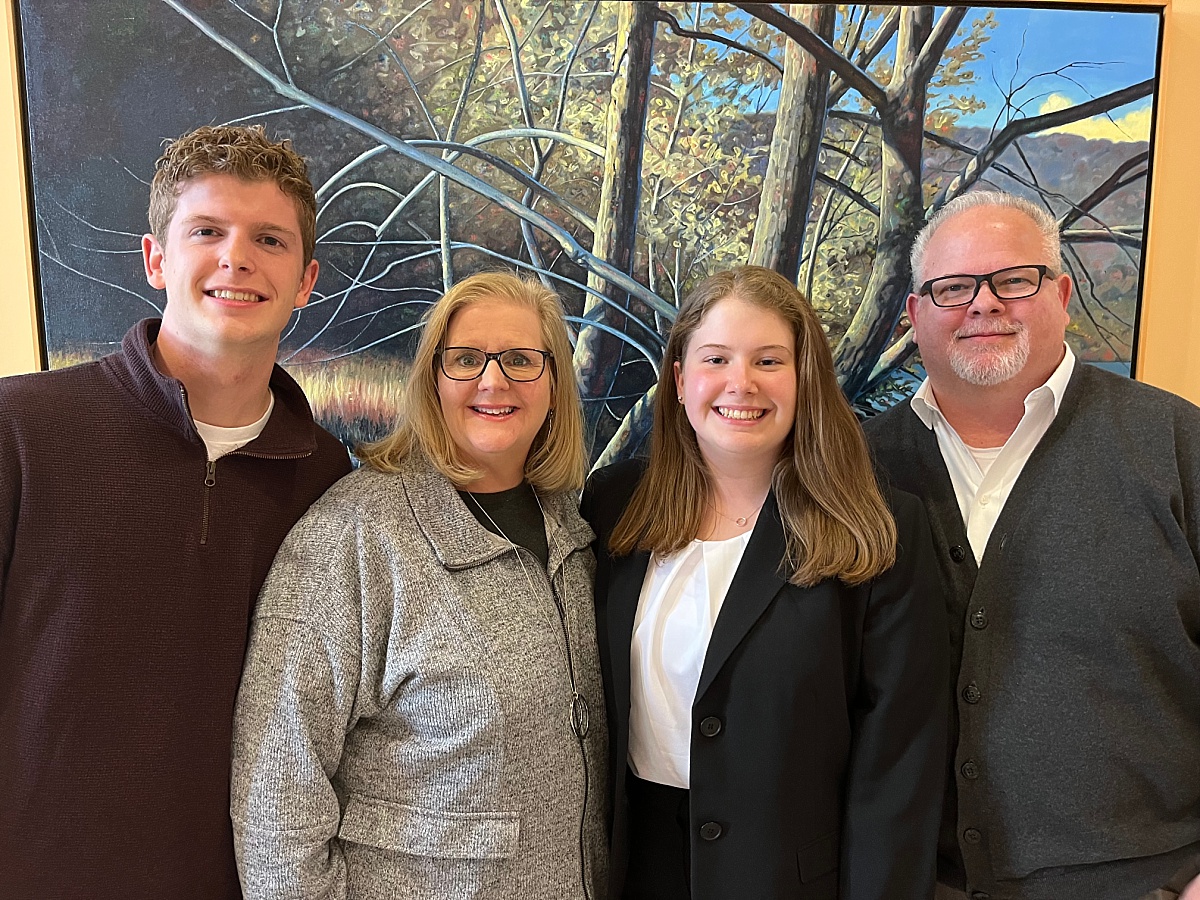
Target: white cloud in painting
1131	126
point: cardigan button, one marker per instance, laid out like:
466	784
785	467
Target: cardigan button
710	726
710	831
972	836
971	693
957	553
979	620
970	770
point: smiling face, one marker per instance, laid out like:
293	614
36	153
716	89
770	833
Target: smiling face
737	382
491	420
232	266
990	341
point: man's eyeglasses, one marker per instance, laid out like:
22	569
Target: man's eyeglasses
517	364
1013	283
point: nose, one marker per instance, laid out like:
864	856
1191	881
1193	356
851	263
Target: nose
492	378
986	303
236	254
740	379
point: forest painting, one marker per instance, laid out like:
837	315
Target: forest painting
619	152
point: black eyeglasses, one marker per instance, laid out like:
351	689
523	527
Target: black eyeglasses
1013	283
516	364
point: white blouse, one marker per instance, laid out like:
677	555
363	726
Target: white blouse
681	597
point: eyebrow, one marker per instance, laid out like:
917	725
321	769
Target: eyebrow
756	349
201	219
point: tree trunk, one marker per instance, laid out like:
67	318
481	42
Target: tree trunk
901	208
795	147
598	353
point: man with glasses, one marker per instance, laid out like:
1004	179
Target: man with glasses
1065	504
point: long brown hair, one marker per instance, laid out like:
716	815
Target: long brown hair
556	461
835	520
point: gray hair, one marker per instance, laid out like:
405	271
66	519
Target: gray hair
1045	223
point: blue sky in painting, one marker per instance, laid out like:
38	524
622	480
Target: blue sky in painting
1028	41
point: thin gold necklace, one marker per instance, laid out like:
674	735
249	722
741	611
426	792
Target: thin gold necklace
739	521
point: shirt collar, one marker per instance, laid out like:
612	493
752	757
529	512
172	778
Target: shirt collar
924	404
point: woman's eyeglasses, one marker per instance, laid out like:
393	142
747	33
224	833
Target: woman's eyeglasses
516	364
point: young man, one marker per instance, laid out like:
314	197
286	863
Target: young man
1065	505
142	499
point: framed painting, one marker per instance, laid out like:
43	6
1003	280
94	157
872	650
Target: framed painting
617	151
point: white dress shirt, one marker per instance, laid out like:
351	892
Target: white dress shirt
681	597
983	477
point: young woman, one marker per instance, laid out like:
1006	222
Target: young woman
421	713
773	641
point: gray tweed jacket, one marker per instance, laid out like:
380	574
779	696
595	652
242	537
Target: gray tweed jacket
403	727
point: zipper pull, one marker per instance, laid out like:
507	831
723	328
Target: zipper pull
210	473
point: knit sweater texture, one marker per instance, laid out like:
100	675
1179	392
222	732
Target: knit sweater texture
129	568
1076	773
403	729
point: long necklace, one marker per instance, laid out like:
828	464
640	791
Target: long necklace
579	714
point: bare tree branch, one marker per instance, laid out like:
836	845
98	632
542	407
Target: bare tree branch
571	247
663	16
1020	127
822	51
884	33
1106	189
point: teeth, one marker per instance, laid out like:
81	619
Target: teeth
745	414
494	412
240	296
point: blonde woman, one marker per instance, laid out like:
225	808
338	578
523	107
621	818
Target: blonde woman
773	641
421	711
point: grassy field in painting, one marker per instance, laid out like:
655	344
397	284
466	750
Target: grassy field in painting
357	398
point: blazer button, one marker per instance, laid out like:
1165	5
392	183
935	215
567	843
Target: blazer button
710	831
972	694
957	553
980	895
970	770
972	836
710	726
979	620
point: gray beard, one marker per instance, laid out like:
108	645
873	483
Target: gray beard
990	368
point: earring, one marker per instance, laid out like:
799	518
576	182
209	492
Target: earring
549	422
679	398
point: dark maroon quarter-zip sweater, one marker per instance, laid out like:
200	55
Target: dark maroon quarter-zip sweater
128	570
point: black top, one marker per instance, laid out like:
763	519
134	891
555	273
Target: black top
515	515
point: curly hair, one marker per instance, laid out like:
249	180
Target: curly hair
243	151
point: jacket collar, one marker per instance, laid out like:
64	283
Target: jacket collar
755	584
457	538
290	432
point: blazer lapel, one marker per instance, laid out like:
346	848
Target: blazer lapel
755	584
625	589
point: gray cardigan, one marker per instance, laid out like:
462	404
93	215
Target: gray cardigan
1077	642
403	725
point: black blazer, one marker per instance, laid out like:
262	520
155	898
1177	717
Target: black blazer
819	724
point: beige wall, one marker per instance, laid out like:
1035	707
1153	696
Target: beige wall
18	333
1171	314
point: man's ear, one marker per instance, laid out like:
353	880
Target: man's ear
307	283
152	259
1066	287
911	304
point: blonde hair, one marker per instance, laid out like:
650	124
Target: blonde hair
556	458
244	151
835	520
